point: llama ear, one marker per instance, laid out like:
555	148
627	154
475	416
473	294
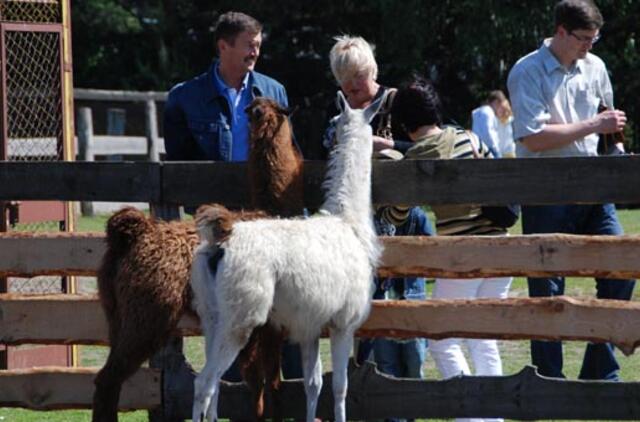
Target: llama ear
341	102
373	108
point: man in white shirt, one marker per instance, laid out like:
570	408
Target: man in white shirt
555	92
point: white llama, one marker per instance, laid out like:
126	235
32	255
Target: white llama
298	274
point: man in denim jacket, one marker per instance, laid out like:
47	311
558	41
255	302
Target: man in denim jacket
204	117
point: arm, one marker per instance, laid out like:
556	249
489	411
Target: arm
177	138
558	135
531	124
484	125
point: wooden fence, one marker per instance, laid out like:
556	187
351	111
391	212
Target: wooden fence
90	145
166	387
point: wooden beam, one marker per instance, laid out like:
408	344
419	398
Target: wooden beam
559	318
125	145
371	395
28	254
72	388
193	183
74	181
113	95
525	181
530	255
31	254
35	319
519	181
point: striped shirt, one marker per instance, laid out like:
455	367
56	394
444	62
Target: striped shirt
462	219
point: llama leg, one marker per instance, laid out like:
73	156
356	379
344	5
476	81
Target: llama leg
271	356
312	369
129	349
224	347
120	365
340	348
253	371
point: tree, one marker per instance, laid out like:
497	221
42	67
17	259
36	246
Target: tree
466	46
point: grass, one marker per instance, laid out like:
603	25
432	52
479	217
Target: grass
515	354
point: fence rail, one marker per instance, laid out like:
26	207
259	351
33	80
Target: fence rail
31	320
525	181
111	95
33	254
523	396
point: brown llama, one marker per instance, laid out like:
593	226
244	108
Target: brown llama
143	280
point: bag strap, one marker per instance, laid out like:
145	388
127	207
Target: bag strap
384	124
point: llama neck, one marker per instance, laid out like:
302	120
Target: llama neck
348	183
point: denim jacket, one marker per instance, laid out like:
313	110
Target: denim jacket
410	288
197	116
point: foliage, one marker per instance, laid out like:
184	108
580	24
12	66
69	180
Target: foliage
466	46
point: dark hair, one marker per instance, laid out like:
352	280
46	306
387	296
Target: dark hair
417	104
231	24
578	14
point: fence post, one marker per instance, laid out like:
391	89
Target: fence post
151	125
116	122
85	148
177	373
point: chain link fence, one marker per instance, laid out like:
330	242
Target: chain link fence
33	87
34	99
33	11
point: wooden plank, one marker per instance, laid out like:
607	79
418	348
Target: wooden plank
519	181
371	395
124	145
72	388
575	180
525	181
194	183
115	95
24	254
530	255
71	181
523	396
31	254
559	318
35	319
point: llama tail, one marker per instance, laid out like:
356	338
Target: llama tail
214	223
124	227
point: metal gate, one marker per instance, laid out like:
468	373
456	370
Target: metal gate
34	127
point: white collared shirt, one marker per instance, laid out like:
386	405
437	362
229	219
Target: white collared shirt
543	91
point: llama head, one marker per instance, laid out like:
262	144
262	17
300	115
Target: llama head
266	117
354	123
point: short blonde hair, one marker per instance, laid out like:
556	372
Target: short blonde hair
350	56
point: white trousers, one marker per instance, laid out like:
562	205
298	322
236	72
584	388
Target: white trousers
485	355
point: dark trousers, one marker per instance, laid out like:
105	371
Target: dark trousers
291	365
599	359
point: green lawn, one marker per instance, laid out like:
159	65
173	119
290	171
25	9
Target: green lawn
515	354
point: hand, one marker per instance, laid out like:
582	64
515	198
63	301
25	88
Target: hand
380	143
611	121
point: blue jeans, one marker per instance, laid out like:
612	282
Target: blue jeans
599	359
402	359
